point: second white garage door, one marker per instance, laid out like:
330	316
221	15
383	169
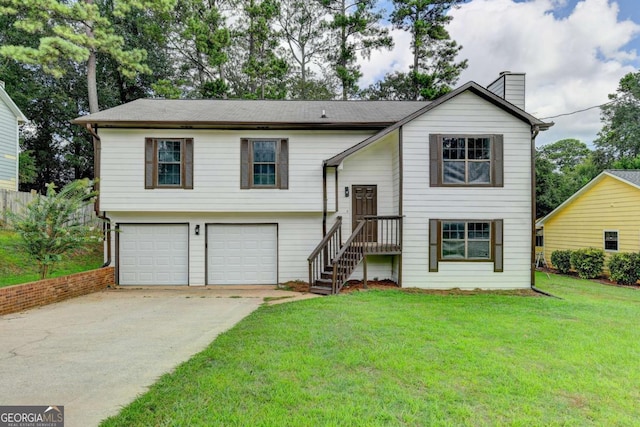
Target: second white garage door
242	254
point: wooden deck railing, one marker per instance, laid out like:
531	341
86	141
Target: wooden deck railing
325	252
384	234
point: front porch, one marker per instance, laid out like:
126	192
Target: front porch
332	262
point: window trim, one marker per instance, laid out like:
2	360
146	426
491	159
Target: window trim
152	164
436	160
246	164
604	240
496	243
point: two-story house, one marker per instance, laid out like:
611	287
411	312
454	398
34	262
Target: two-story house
10	119
429	194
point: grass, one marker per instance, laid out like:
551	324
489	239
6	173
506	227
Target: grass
16	266
396	358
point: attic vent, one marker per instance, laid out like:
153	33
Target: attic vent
324	114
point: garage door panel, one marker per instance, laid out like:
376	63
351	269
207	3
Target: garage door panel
241	254
154	254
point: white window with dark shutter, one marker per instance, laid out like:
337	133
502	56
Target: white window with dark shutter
264	163
168	163
466	160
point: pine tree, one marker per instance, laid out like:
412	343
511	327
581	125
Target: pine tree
434	70
75	32
355	29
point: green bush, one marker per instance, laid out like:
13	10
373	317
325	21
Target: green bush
561	260
624	268
588	262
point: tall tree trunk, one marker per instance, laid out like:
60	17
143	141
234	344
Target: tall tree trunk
303	72
92	85
343	47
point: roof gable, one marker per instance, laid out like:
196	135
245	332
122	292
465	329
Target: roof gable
629	177
471	87
4	96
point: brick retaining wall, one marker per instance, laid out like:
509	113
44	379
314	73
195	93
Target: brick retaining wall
28	295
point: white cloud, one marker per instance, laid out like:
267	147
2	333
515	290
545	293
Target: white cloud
571	63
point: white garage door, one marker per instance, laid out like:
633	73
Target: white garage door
153	254
242	254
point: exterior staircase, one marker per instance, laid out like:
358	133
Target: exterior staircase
332	263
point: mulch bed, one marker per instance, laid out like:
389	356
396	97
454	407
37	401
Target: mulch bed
602	280
358	286
350	286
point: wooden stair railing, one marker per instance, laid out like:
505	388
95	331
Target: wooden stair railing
351	254
322	256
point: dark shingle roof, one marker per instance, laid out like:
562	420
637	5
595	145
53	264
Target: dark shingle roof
244	112
631	175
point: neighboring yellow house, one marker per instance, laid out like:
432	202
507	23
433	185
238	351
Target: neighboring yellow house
603	214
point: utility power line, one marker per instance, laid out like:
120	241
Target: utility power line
578	111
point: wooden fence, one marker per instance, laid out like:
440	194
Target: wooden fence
15	201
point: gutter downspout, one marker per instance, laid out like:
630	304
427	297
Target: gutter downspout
324	198
96	172
535	130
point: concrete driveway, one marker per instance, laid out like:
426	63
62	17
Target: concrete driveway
96	353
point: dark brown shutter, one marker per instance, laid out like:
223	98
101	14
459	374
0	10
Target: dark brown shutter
434	236
498	161
244	164
434	161
149	162
498	252
188	164
283	165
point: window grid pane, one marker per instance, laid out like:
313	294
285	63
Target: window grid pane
169	162
466	240
264	163
466	160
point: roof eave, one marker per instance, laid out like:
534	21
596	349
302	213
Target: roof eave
13	107
231	125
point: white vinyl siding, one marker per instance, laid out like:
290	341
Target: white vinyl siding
515	90
372	165
511	87
467	114
216	183
8	148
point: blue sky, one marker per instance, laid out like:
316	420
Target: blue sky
574	53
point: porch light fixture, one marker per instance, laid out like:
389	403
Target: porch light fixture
346	191
197	230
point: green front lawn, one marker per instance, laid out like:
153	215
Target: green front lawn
396	358
16	266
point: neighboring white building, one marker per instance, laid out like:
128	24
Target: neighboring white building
10	118
208	192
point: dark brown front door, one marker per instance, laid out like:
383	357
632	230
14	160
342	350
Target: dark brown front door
365	202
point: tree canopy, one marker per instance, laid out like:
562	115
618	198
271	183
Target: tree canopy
61	59
434	69
620	134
